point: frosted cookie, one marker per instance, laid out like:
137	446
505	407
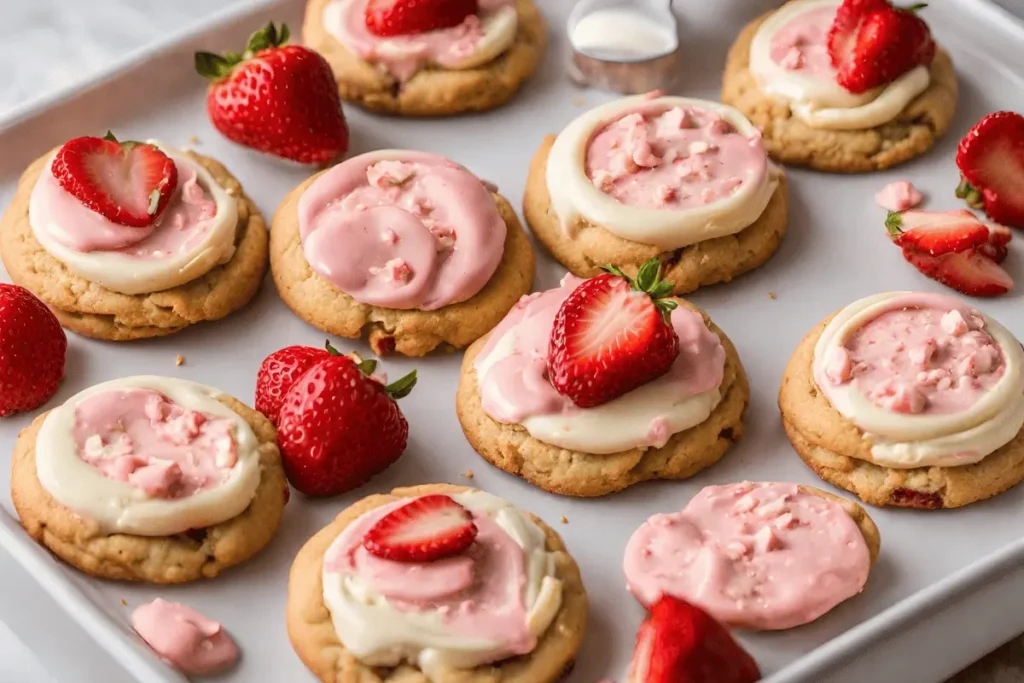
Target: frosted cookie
426	60
780	74
178	244
684	181
755	555
149	479
410	248
552	396
436	584
910	400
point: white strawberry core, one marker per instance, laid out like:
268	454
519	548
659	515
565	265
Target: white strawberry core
124	177
610	320
435	524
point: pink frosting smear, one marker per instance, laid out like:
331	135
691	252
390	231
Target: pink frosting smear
924	354
185	224
477	594
184	638
417	233
801	45
517	386
899	196
447	47
763	556
142	438
675	158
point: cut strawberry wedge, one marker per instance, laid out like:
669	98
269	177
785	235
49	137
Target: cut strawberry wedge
969	272
991	163
409	17
128	183
937	232
423	530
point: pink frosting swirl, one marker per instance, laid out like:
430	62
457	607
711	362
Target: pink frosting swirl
404	230
187	640
801	45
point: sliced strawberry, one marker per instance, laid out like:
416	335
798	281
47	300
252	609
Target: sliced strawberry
409	17
680	643
968	272
423	530
612	335
850	16
999	235
129	183
991	163
937	232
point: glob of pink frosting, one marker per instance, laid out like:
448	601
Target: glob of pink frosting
184	225
898	196
677	158
925	354
478	593
762	556
421	232
142	438
517	386
801	45
184	638
447	47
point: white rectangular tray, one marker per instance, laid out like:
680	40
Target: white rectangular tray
938	570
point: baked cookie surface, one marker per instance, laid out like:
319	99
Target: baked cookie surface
201	553
432	91
315	640
409	332
791	141
94	311
512	448
705	263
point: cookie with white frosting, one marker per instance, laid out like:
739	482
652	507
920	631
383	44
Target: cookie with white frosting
910	400
150	479
408	248
203	258
508	605
779	74
475	65
685	181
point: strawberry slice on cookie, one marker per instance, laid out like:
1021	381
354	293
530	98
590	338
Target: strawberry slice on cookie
428	528
991	163
388	18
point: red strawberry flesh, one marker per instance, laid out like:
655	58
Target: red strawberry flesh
937	232
278	373
968	272
410	17
32	351
426	529
991	161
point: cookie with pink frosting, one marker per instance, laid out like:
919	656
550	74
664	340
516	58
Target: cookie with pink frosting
682	419
780	74
421	60
685	181
150	479
766	556
408	248
201	257
504	601
910	400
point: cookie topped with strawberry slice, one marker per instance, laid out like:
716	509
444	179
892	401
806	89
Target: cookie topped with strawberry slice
602	383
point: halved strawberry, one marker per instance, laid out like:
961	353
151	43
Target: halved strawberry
612	335
409	17
937	232
423	530
991	163
968	272
996	248
680	643
129	183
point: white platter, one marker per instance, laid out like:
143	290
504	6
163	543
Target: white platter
938	570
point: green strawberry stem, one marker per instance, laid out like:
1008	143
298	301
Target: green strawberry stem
970	194
400	388
894	224
648	280
915	7
216	67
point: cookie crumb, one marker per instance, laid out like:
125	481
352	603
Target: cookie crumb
194	139
468	474
124	602
578	101
565	520
179	360
771	295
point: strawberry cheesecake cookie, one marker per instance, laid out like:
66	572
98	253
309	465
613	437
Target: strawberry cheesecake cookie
599	384
681	180
150	479
436	584
427	57
763	556
408	247
843	86
910	400
127	240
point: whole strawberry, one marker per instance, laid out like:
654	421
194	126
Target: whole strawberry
32	351
278	373
338	427
276	98
612	335
872	43
991	163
